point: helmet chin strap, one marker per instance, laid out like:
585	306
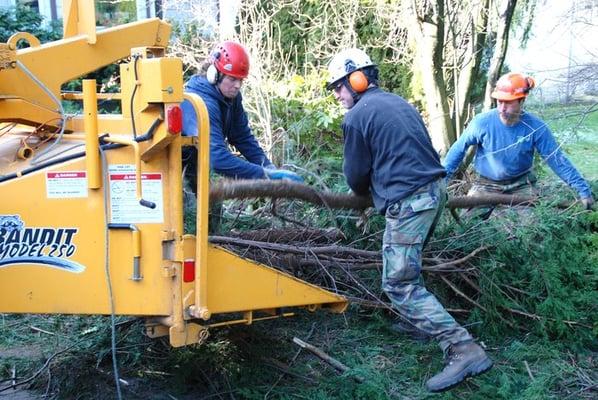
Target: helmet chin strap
356	96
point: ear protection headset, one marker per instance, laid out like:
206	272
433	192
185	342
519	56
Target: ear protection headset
212	74
531	83
358	81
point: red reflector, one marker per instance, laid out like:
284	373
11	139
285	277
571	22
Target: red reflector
188	270
174	118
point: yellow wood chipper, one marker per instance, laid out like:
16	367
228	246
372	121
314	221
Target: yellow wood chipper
91	205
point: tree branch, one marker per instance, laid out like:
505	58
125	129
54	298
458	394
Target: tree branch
245	189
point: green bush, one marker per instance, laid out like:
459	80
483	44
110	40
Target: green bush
25	19
309	115
538	276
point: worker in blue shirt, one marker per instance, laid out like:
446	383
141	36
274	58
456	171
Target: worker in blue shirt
388	154
507	138
219	87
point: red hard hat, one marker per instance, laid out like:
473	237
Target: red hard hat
230	58
513	86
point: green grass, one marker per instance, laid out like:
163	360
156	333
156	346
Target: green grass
576	128
239	361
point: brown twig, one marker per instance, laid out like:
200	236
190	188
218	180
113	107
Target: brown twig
497	199
39	371
539	317
529	371
438	267
591	387
335	250
339	366
286	370
294	249
293	235
35	328
460	293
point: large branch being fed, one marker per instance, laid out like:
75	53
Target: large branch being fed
277	189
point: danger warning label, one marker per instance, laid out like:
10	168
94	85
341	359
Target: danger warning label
124	203
66	185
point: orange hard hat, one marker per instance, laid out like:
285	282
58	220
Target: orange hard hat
513	86
230	58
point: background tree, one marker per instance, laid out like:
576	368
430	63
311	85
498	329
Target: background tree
450	40
433	52
505	10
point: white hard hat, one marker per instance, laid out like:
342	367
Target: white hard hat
345	62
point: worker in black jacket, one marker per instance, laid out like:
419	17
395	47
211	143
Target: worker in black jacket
388	153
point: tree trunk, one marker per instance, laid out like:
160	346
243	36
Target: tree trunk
506	9
428	31
469	69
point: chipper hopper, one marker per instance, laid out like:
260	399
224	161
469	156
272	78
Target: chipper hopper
91	204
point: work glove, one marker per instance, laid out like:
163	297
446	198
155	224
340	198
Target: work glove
587	202
273	173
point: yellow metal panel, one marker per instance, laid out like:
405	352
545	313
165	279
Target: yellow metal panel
42	289
92	146
161	139
237	284
8	56
190	334
80	18
200	308
113	123
60	61
17	110
162	80
55	241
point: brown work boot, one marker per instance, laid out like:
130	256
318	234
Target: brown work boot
463	360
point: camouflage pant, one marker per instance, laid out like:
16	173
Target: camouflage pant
524	186
409	223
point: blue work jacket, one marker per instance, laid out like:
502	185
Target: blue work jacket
507	152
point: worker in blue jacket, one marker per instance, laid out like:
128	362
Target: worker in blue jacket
388	154
507	138
219	88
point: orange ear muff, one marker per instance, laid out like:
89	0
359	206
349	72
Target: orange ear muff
531	83
358	81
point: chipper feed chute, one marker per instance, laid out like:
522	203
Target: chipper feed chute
91	207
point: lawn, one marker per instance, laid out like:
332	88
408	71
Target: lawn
576	128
